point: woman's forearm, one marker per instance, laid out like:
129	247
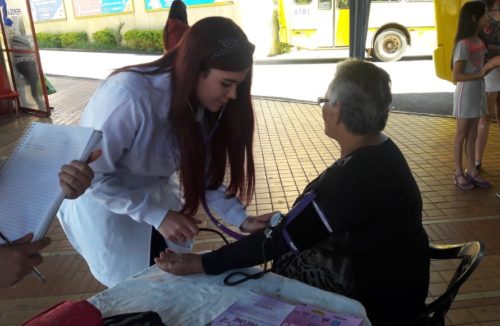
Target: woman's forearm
244	253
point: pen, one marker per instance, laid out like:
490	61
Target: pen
34	270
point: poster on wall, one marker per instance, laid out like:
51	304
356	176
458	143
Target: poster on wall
165	4
46	10
84	8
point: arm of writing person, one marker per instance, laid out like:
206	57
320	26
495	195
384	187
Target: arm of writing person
17	261
120	117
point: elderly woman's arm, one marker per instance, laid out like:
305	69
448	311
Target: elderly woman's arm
244	253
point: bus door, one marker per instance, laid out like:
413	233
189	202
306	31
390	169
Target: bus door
325	18
341	23
307	23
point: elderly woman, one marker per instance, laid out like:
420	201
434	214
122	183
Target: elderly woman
362	236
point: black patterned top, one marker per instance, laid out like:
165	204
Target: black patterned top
491	36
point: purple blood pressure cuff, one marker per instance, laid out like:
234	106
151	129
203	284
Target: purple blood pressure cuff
305	224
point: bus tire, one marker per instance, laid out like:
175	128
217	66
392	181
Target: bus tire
390	45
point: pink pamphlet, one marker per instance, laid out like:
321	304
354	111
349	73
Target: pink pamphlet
314	316
257	309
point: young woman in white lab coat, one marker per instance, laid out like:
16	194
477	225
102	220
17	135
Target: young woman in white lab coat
188	114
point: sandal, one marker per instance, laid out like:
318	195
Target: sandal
466	184
478	181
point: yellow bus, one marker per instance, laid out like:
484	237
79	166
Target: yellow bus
447	12
393	25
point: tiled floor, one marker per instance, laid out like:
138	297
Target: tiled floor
290	149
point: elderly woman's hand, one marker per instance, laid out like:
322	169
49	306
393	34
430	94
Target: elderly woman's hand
179	264
76	177
256	223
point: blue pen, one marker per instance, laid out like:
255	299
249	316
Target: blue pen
34	270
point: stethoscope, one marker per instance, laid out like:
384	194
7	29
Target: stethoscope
207	138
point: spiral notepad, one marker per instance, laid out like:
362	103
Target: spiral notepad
29	183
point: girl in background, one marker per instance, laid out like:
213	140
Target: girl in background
469	100
176	26
491	36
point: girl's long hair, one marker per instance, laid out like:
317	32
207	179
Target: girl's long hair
218	43
468	19
178	11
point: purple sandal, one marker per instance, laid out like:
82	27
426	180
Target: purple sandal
484	184
465	185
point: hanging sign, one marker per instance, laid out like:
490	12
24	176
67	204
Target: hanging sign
46	10
165	4
85	8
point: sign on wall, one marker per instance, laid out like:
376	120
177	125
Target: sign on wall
165	4
84	8
45	10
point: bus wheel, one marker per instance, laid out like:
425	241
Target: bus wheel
390	45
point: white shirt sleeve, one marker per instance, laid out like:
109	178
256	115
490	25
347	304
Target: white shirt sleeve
139	203
120	115
230	209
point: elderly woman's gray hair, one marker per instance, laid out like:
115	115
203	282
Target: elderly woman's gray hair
363	91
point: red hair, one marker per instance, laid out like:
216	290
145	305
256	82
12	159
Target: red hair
219	43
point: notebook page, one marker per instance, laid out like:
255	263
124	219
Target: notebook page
29	183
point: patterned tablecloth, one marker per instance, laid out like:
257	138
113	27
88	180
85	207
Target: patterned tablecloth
198	299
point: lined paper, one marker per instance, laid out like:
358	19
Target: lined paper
29	183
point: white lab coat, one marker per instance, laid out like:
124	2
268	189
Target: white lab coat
135	180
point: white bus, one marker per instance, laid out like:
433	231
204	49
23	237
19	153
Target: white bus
393	25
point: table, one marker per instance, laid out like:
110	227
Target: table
198	299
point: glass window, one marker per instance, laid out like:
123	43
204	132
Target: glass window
343	4
325	4
302	2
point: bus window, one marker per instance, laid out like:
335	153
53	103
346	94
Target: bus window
325	4
302	2
343	4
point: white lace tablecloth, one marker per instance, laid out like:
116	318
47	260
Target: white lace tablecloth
198	299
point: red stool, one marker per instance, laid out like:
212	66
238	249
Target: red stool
6	93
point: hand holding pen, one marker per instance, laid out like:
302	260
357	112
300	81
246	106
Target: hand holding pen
19	257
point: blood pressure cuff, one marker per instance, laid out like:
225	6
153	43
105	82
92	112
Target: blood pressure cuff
305	224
